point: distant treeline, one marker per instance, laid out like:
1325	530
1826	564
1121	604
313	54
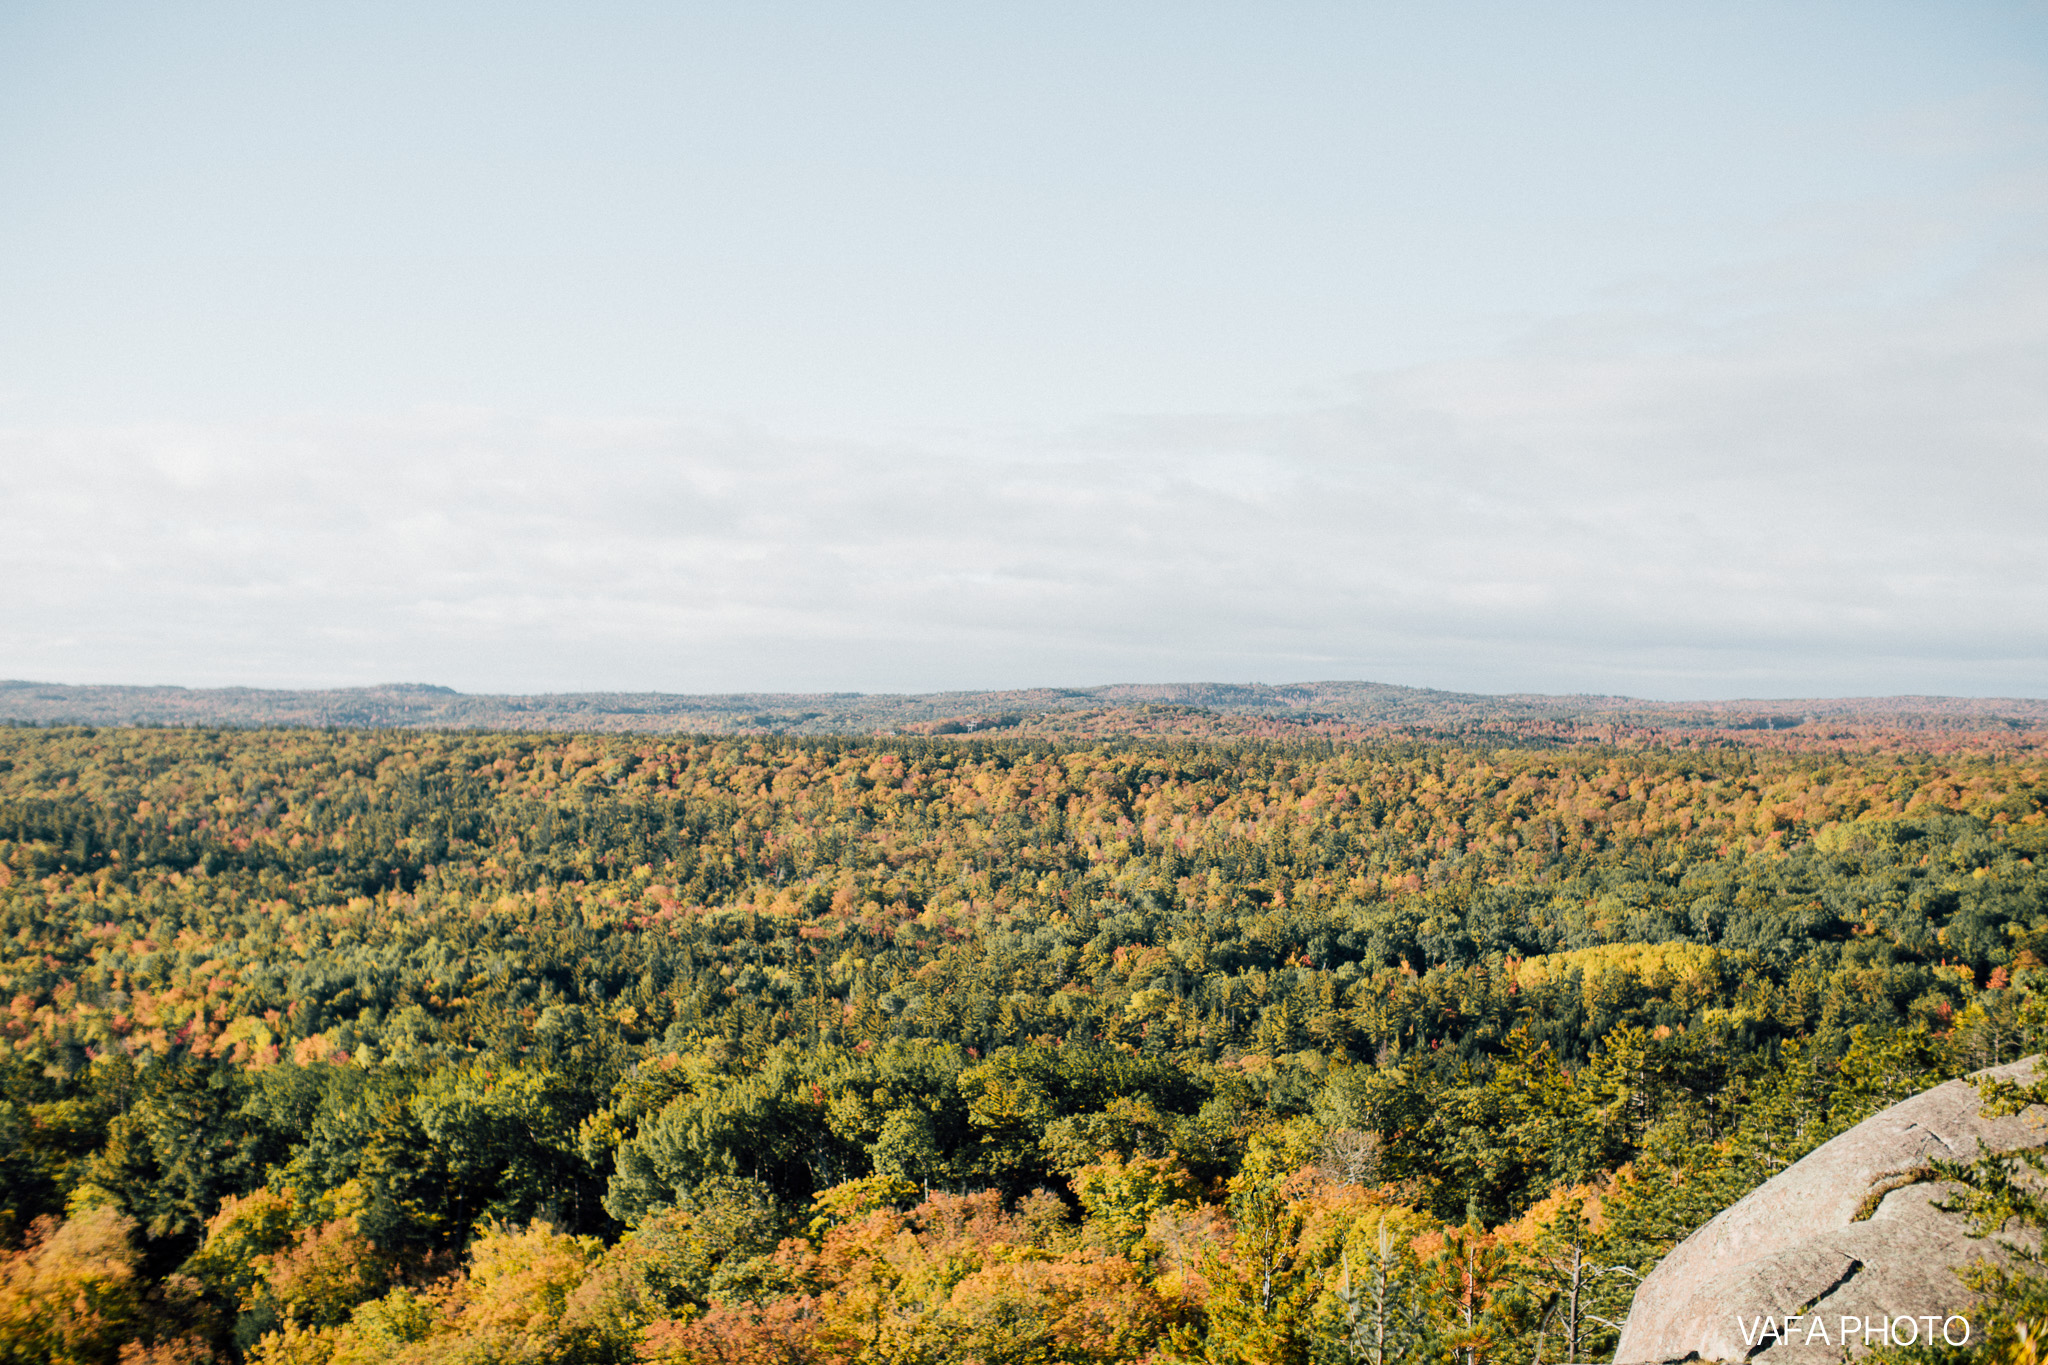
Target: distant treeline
1337	711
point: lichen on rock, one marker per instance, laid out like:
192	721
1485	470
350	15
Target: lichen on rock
1850	1236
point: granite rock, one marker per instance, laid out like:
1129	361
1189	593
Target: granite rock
1805	1243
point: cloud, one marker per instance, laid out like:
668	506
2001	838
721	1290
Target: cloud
1832	498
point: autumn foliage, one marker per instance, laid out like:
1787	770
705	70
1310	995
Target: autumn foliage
329	1048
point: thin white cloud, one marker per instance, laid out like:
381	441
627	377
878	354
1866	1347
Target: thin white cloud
1834	497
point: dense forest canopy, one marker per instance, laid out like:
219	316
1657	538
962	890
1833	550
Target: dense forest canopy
337	1046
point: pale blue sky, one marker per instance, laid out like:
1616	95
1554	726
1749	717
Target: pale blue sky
1674	350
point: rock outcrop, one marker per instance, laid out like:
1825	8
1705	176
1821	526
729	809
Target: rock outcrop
1849	1231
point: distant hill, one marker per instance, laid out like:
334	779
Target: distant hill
1337	710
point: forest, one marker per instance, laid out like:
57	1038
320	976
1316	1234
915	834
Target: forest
1338	711
338	1046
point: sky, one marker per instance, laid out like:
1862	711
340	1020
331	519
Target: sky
1666	350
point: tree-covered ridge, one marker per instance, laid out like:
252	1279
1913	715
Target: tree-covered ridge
1337	711
1189	1020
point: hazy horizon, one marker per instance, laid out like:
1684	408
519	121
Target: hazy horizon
1094	687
